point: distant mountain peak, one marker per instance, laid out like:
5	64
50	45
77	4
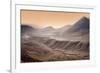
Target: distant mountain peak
83	19
81	24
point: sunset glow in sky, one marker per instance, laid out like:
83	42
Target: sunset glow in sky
43	19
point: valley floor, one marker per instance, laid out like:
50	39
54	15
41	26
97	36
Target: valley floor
60	55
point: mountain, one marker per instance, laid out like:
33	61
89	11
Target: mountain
26	28
82	24
79	31
45	32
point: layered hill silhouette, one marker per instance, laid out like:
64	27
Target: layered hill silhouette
82	24
79	31
50	44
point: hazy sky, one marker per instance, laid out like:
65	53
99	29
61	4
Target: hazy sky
43	19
